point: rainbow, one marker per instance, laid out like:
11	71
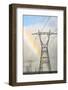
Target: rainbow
32	43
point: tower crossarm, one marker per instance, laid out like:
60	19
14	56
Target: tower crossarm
44	33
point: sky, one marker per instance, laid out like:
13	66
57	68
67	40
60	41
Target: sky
44	21
29	20
32	46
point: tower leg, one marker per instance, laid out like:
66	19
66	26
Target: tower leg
40	65
49	65
42	60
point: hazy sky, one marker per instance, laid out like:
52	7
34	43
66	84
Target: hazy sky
44	21
32	48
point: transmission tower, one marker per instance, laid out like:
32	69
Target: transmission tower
44	49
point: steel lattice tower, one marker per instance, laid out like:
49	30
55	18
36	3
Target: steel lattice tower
44	49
